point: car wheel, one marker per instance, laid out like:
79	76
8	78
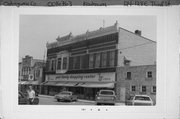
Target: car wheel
58	100
70	100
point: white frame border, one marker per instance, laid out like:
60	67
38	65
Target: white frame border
9	63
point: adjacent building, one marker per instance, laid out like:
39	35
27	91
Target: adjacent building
31	72
102	59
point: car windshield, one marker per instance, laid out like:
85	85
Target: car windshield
65	93
106	93
142	98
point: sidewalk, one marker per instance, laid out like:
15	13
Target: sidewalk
80	100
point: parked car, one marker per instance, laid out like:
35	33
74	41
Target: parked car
65	96
23	100
105	97
139	100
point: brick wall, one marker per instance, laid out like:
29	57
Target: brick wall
138	79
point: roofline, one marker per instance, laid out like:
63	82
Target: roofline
138	35
137	66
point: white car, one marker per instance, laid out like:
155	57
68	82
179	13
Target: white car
65	96
105	97
139	100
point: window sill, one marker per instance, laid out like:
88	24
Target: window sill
149	78
154	93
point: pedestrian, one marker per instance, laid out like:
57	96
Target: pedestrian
31	95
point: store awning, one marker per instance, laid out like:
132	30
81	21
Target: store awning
60	83
97	85
23	82
70	84
76	84
50	83
34	83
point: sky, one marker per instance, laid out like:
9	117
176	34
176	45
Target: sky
36	30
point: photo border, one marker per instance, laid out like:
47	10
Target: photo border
10	57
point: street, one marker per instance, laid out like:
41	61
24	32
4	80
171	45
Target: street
49	100
52	101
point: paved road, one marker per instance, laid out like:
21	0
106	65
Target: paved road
49	100
52	101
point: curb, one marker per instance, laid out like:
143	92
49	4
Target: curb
86	101
80	100
47	96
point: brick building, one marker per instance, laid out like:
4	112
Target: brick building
136	80
92	61
31	72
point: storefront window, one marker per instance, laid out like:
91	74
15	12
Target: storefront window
91	60
104	59
65	63
112	59
97	60
59	64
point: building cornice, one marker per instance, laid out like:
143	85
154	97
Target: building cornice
69	39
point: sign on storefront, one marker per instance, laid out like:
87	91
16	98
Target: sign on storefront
91	77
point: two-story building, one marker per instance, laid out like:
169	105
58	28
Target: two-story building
31	72
88	62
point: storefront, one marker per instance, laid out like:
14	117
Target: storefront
24	85
85	86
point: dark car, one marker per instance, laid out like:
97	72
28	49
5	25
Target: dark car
105	97
65	96
23	100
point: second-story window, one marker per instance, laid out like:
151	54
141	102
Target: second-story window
128	75
37	73
59	64
143	89
154	89
48	65
97	60
53	65
84	61
149	74
91	60
112	59
64	62
104	59
76	62
133	88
